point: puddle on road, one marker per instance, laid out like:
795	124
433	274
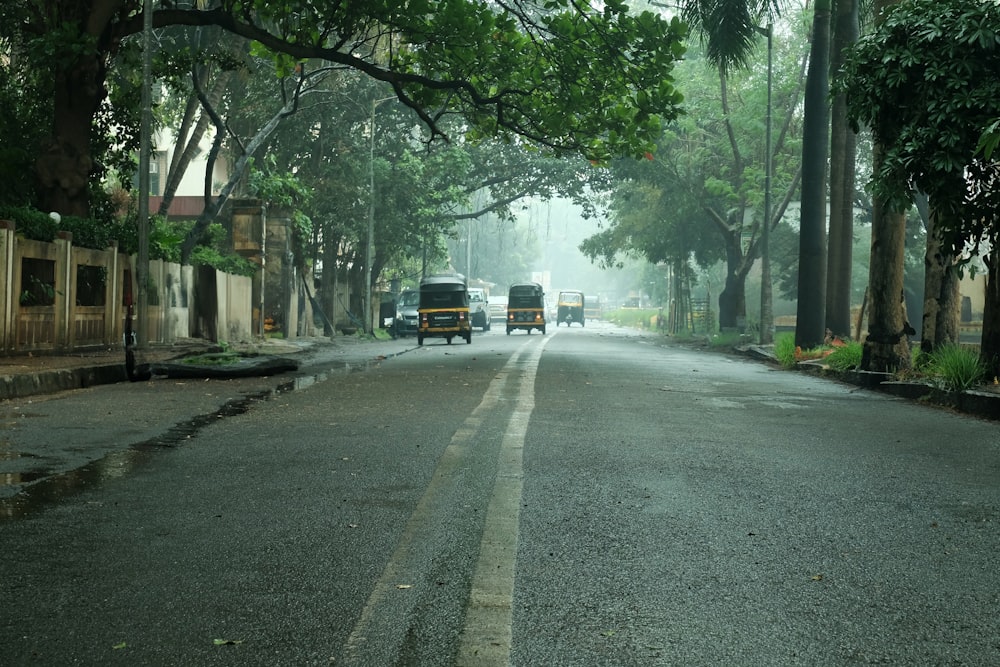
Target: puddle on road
46	488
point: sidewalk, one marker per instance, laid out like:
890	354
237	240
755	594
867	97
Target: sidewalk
34	374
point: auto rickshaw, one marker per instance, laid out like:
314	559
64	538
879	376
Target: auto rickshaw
570	308
526	307
444	309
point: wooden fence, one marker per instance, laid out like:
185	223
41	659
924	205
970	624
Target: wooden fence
55	298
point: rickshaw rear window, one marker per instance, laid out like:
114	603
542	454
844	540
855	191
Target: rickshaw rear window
455	299
570	298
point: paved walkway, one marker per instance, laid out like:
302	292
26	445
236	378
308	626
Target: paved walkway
32	374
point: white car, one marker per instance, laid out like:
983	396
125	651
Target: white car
498	309
479	308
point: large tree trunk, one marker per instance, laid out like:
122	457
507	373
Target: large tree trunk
63	171
843	149
942	300
732	298
990	343
810	325
329	282
887	346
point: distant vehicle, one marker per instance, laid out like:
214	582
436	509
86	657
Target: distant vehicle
407	316
498	308
444	309
571	308
592	308
479	308
526	307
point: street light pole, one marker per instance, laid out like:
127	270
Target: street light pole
766	299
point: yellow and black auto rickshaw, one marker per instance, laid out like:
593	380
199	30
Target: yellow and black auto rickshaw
444	309
570	308
526	307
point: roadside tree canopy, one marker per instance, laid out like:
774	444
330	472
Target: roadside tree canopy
926	84
559	73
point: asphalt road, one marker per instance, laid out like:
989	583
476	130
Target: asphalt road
583	498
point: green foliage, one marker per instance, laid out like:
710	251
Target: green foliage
955	368
213	250
227	263
925	82
846	358
632	317
218	359
274	186
164	237
725	340
87	233
784	349
21	133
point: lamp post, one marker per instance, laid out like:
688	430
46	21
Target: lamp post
370	245
766	300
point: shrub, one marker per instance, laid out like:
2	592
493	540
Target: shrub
632	317
784	349
846	357
728	339
955	368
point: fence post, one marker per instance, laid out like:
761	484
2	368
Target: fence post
64	297
112	297
7	297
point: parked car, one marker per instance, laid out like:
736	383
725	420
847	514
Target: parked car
498	309
407	316
479	308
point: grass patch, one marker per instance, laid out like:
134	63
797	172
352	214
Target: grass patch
784	349
213	359
955	368
633	317
728	339
846	357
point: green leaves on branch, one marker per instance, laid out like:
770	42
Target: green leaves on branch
925	83
559	73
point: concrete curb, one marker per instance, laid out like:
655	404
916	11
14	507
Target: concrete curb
49	382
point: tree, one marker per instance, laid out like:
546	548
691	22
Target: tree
709	176
810	325
924	82
843	151
559	73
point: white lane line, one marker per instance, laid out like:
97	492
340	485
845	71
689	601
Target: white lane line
358	649
486	637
